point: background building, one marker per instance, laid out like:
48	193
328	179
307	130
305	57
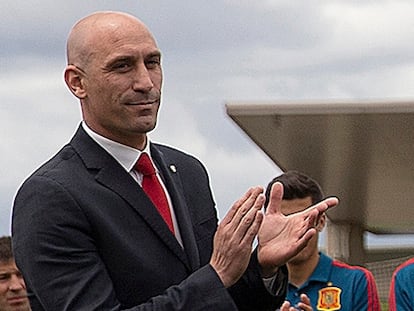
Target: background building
361	152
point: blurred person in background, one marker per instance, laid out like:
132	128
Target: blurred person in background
13	295
401	296
329	284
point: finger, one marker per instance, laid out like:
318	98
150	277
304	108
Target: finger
275	200
305	238
320	208
305	299
304	307
249	224
252	204
246	212
285	306
325	204
253	229
312	218
330	202
251	192
239	220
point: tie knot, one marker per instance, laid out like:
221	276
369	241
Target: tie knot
144	165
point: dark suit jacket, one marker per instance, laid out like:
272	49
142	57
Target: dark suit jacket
86	237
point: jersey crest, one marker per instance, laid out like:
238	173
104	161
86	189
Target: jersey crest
329	299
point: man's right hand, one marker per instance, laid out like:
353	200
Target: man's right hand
235	235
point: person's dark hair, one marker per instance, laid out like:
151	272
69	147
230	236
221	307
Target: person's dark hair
6	253
296	185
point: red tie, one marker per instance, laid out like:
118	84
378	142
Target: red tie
153	188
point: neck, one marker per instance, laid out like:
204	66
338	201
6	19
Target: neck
299	272
133	140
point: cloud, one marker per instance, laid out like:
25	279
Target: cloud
213	52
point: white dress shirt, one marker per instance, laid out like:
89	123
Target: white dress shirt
127	157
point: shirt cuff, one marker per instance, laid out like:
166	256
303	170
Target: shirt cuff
277	284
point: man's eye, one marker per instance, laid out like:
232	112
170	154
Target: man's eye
153	63
4	277
121	66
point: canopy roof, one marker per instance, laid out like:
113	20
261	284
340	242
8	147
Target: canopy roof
362	152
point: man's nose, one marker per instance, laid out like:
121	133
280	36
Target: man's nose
142	79
16	283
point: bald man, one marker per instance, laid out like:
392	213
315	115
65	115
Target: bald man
87	230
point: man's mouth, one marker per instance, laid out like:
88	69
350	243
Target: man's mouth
142	103
17	300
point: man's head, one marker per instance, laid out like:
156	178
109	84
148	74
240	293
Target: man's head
299	192
13	295
297	185
114	68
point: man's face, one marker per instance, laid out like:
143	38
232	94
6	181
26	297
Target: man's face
122	82
13	295
294	206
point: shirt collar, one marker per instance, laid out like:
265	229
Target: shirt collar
125	155
322	271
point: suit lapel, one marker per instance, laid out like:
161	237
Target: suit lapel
111	174
171	174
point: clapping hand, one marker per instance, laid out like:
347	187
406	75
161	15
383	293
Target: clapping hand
281	237
235	235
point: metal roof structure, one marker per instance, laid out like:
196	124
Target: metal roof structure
362	152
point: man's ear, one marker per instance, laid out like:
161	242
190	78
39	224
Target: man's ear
321	222
74	80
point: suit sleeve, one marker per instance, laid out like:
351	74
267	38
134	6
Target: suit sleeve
256	296
55	249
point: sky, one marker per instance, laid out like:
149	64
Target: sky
214	52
